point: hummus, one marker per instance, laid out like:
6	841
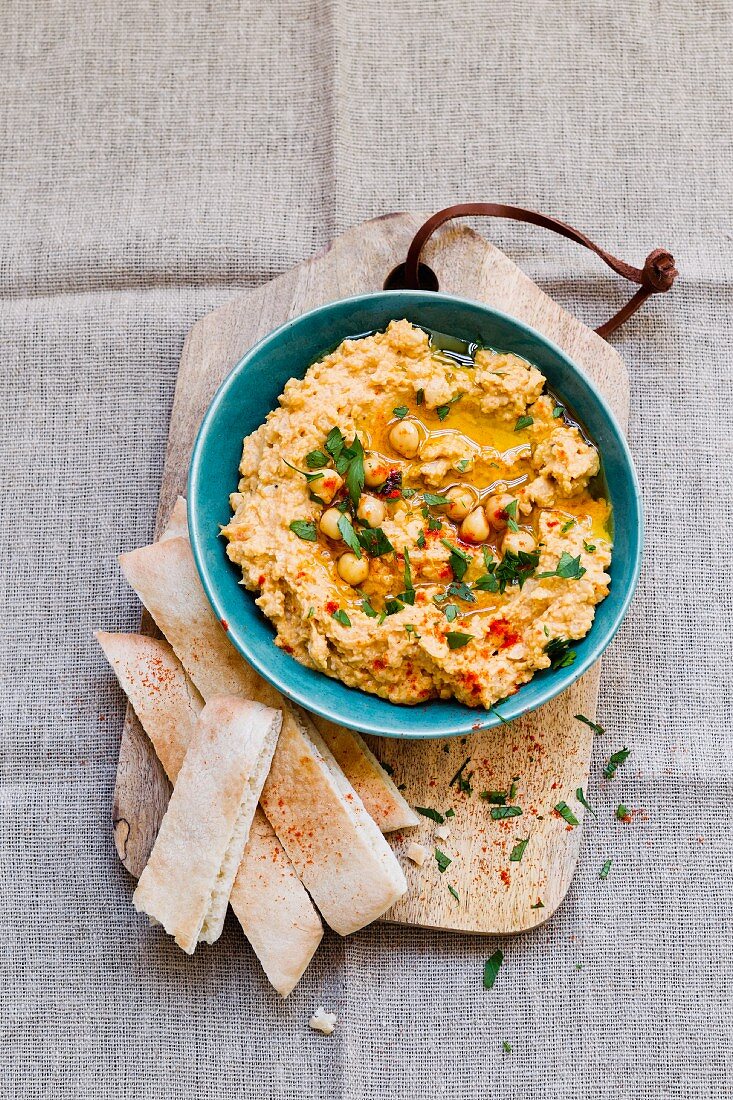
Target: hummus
421	522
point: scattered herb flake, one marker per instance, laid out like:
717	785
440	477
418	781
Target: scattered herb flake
592	725
443	410
341	617
316	460
450	611
456	639
560	653
401	411
435	499
366	606
495	798
558	411
459	560
615	759
539	904
518	850
568	568
565	812
462	465
442	860
420	541
459	774
491	968
523	422
589	548
566	526
304	529
348	534
584	801
623	813
374	541
427	811
392	606
506	1047
453	892
500	813
419	397
603	874
450	813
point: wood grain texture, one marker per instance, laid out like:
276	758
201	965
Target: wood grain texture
549	751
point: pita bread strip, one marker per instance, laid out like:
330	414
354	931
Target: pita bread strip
162	696
177	525
355	876
216	667
271	903
371	782
188	877
274	909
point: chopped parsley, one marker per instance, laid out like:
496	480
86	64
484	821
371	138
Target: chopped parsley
450	813
435	499
443	410
539	904
592	725
442	860
341	617
348	534
558	411
459	560
500	813
401	411
566	526
491	968
427	811
450	611
518	850
392	606
407	493
615	759
565	812
506	1047
523	422
456	639
453	892
622	812
514	568
305	529
495	798
459	774
434	523
311	612
316	460
589	548
410	629
462	465
374	541
366	606
603	874
568	567
560	653
408	596
584	801
511	516
419	397
348	460
420	541
458	589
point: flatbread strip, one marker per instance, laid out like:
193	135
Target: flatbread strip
272	905
188	878
347	866
378	792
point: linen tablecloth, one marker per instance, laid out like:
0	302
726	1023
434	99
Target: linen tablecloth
159	157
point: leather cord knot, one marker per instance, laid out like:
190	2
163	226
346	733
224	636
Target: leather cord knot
656	277
659	273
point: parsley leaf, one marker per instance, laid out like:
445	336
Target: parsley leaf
459	561
408	596
367	608
456	640
566	526
392	606
487	582
304	529
565	812
592	725
622	813
491	968
374	541
584	801
615	759
341	617
453	892
511	516
443	410
560	654
506	1047
499	813
539	904
419	397
568	567
420	541
451	612
523	422
442	860
355	472
435	499
434	815
401	411
348	534
589	547
462	465
515	568
605	869
459	774
316	460
335	443
558	411
496	798
518	850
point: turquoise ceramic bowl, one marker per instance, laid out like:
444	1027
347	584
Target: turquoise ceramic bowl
251	391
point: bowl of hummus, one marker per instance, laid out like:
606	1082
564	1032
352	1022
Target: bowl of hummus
416	516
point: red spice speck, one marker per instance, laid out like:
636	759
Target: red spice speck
288	648
379	663
332	606
505	877
261	579
224	623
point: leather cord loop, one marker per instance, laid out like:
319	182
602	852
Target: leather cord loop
657	276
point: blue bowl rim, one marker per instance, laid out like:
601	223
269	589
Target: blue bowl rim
476	720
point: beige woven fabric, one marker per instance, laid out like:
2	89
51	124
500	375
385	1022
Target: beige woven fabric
155	158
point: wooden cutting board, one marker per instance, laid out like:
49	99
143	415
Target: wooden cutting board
547	754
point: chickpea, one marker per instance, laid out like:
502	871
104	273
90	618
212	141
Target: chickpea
461	502
326	485
329	523
475	527
376	470
519	540
371	511
351	569
405	438
496	506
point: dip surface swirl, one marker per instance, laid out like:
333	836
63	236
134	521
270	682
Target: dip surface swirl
420	524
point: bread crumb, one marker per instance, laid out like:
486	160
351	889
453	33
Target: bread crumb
323	1021
417	853
442	832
